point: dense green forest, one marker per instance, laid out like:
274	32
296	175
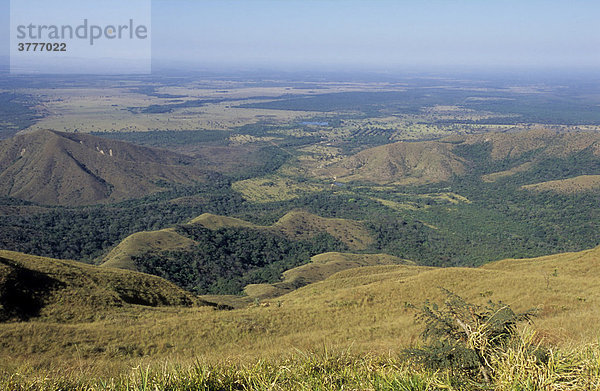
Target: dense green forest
501	221
163	139
228	259
86	232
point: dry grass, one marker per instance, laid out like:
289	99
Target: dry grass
143	242
514	368
577	184
321	267
368	308
274	188
68	291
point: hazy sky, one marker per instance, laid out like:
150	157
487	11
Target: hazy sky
379	34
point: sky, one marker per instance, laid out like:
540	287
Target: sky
371	34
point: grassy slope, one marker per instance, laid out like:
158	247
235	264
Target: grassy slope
367	308
577	184
402	162
60	290
75	169
143	242
321	267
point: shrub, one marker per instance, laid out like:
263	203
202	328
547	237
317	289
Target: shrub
463	337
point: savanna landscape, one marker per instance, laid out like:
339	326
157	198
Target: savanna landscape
298	235
307	196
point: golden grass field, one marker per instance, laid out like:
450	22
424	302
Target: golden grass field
70	291
364	309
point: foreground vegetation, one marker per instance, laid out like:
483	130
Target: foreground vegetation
365	316
514	369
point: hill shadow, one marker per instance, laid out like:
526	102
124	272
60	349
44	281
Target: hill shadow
23	292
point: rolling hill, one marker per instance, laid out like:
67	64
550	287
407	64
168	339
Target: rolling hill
422	162
365	309
295	225
319	268
68	291
577	184
403	163
219	254
298	225
55	168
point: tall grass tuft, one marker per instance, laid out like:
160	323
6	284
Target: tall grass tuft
520	366
525	366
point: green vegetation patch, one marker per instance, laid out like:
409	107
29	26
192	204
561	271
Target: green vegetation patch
227	259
